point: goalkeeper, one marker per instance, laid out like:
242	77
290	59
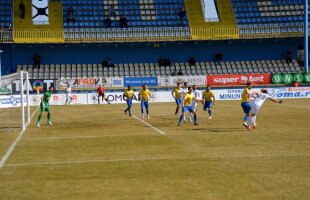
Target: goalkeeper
45	106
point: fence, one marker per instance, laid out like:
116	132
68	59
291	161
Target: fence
151	34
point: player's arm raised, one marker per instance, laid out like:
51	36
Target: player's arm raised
276	100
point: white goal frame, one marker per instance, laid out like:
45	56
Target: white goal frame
25	117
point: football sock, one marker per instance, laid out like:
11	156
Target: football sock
39	119
49	117
195	119
245	119
210	112
181	119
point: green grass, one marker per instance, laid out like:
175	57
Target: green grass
96	152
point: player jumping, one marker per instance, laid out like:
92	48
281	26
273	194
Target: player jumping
45	106
183	93
128	96
101	93
209	98
69	94
245	104
197	95
176	94
187	106
259	99
144	97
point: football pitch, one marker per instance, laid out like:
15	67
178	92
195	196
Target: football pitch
98	152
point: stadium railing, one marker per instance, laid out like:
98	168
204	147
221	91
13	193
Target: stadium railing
130	34
6	36
152	34
38	36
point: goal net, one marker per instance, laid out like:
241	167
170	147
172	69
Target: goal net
14	106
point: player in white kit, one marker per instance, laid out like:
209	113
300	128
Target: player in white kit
183	93
69	94
197	95
259	99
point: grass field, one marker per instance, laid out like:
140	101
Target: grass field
97	152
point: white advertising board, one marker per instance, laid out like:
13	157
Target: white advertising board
156	97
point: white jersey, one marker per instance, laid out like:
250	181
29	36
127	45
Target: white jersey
259	99
197	95
69	92
183	93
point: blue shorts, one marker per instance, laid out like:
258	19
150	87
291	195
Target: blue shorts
144	104
178	101
188	108
207	105
129	102
246	106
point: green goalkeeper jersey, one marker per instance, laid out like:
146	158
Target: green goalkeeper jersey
45	106
47	96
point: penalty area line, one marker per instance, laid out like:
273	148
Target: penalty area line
157	158
149	125
13	145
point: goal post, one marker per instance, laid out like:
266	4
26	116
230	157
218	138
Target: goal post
25	117
15	105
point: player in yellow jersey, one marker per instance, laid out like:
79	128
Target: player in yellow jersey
245	104
144	97
209	99
187	106
128	96
176	94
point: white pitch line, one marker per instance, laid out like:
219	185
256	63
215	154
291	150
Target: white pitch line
149	125
156	158
12	147
83	136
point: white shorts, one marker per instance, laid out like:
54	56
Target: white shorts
254	109
194	105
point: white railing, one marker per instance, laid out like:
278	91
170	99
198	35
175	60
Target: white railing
130	34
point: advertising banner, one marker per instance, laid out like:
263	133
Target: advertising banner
278	93
11	101
117	82
138	81
238	79
156	97
289	78
192	80
40	15
35	84
84	83
60	99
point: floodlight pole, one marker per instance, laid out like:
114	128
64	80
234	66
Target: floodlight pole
306	45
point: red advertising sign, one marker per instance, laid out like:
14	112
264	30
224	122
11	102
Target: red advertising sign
238	79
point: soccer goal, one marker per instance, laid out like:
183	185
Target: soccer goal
15	107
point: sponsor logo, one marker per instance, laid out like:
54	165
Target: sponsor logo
286	93
63	97
35	99
242	79
153	97
238	79
10	101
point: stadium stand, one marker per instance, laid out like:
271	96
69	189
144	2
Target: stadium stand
6	13
139	13
153	69
268	12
